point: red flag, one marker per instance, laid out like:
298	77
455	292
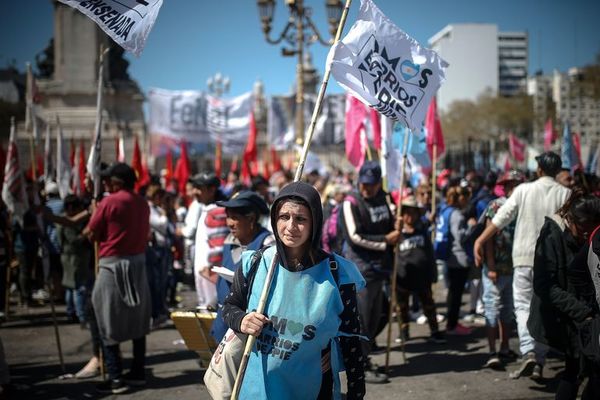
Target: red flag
81	166
434	134
355	117
249	165
549	135
234	164
275	161
516	148
182	169
218	160
169	174
577	145
143	178
39	169
376	126
72	155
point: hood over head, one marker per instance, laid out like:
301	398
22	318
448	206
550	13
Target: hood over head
307	193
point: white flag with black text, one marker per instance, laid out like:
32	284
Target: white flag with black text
386	69
127	22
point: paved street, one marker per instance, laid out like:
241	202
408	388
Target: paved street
450	371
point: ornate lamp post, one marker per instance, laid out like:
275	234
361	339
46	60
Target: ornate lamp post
300	31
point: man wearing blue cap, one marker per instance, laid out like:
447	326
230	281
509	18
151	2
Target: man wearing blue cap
370	236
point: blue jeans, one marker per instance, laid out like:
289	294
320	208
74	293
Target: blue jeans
497	299
76	300
157	268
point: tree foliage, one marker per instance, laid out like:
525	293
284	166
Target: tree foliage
487	118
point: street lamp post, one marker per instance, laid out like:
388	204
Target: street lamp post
300	31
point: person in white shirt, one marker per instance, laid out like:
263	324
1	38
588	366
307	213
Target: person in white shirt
528	204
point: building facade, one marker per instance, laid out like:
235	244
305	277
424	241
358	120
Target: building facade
481	59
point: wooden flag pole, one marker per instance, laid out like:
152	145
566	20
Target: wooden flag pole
311	130
395	270
433	188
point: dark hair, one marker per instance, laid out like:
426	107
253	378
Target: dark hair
550	163
583	210
71	201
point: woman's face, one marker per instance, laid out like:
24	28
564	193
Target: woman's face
294	224
241	226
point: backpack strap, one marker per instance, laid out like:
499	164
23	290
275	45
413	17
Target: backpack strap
253	268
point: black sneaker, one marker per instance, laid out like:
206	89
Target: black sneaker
437	338
493	361
404	335
508	355
372	375
537	373
112	386
134	379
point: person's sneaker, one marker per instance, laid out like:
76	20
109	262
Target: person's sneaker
112	386
508	355
493	361
134	379
459	330
470	317
536	374
437	338
372	375
527	366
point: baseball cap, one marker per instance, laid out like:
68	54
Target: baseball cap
205	179
245	199
549	162
51	188
369	173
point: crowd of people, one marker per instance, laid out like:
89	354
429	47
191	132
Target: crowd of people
519	243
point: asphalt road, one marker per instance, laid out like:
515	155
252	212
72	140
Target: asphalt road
449	371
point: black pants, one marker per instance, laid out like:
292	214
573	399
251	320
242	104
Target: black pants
369	307
114	363
426	297
457	278
570	381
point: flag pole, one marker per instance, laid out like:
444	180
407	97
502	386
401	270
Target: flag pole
395	270
433	187
311	129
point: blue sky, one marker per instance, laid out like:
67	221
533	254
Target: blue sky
193	39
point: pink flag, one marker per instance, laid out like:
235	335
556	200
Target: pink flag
577	145
376	126
355	116
434	134
549	135
516	148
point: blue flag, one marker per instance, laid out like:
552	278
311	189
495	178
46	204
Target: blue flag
570	160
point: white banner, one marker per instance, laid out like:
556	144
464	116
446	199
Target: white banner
386	69
196	117
127	22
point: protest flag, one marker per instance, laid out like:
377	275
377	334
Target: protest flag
63	167
549	135
32	98
374	45
93	162
127	22
48	165
234	164
433	131
516	148
182	169
355	145
249	164
2	165
139	166
570	159
78	171
169	168
13	190
120	148
275	161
